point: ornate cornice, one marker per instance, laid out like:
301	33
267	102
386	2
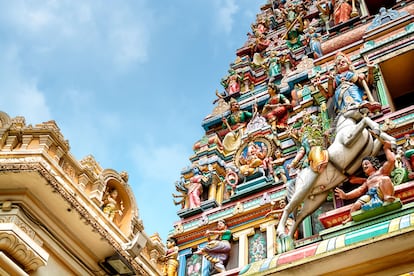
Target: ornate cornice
41	168
18	250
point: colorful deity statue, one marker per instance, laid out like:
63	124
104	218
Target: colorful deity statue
325	12
255	157
276	109
313	40
218	247
232	82
375	190
274	66
349	87
170	258
235	123
342	11
294	25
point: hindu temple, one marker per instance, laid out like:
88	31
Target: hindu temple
306	162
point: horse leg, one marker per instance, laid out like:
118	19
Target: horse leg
309	206
304	183
353	135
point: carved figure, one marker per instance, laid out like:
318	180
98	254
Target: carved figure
276	110
352	142
170	258
218	247
348	87
279	171
274	66
313	40
110	204
342	11
235	123
195	188
254	158
232	82
325	11
377	188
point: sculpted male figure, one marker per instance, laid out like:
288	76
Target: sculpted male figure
377	188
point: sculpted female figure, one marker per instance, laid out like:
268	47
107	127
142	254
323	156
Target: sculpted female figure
217	250
276	110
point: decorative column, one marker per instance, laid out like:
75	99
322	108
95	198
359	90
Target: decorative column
182	259
243	236
270	229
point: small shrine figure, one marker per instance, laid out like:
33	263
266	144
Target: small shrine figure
313	40
254	158
349	87
232	82
375	190
170	258
279	171
276	110
110	204
235	123
274	66
195	188
325	12
218	248
342	11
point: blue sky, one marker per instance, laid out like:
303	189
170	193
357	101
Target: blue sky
128	82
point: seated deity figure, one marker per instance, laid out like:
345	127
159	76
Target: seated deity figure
276	110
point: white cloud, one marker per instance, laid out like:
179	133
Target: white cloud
118	32
226	9
20	94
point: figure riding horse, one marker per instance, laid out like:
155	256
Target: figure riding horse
353	141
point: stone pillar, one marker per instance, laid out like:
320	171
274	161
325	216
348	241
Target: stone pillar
243	236
269	227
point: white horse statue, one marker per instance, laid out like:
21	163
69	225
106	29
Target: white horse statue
353	141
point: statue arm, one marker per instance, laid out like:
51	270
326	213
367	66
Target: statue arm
389	164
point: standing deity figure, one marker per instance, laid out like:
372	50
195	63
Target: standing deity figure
276	110
218	248
313	40
342	11
232	82
170	258
195	188
348	87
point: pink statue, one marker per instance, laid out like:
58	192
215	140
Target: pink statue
342	11
195	189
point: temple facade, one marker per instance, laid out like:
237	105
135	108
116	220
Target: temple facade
60	216
279	183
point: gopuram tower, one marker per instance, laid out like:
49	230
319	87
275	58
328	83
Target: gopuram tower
274	185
